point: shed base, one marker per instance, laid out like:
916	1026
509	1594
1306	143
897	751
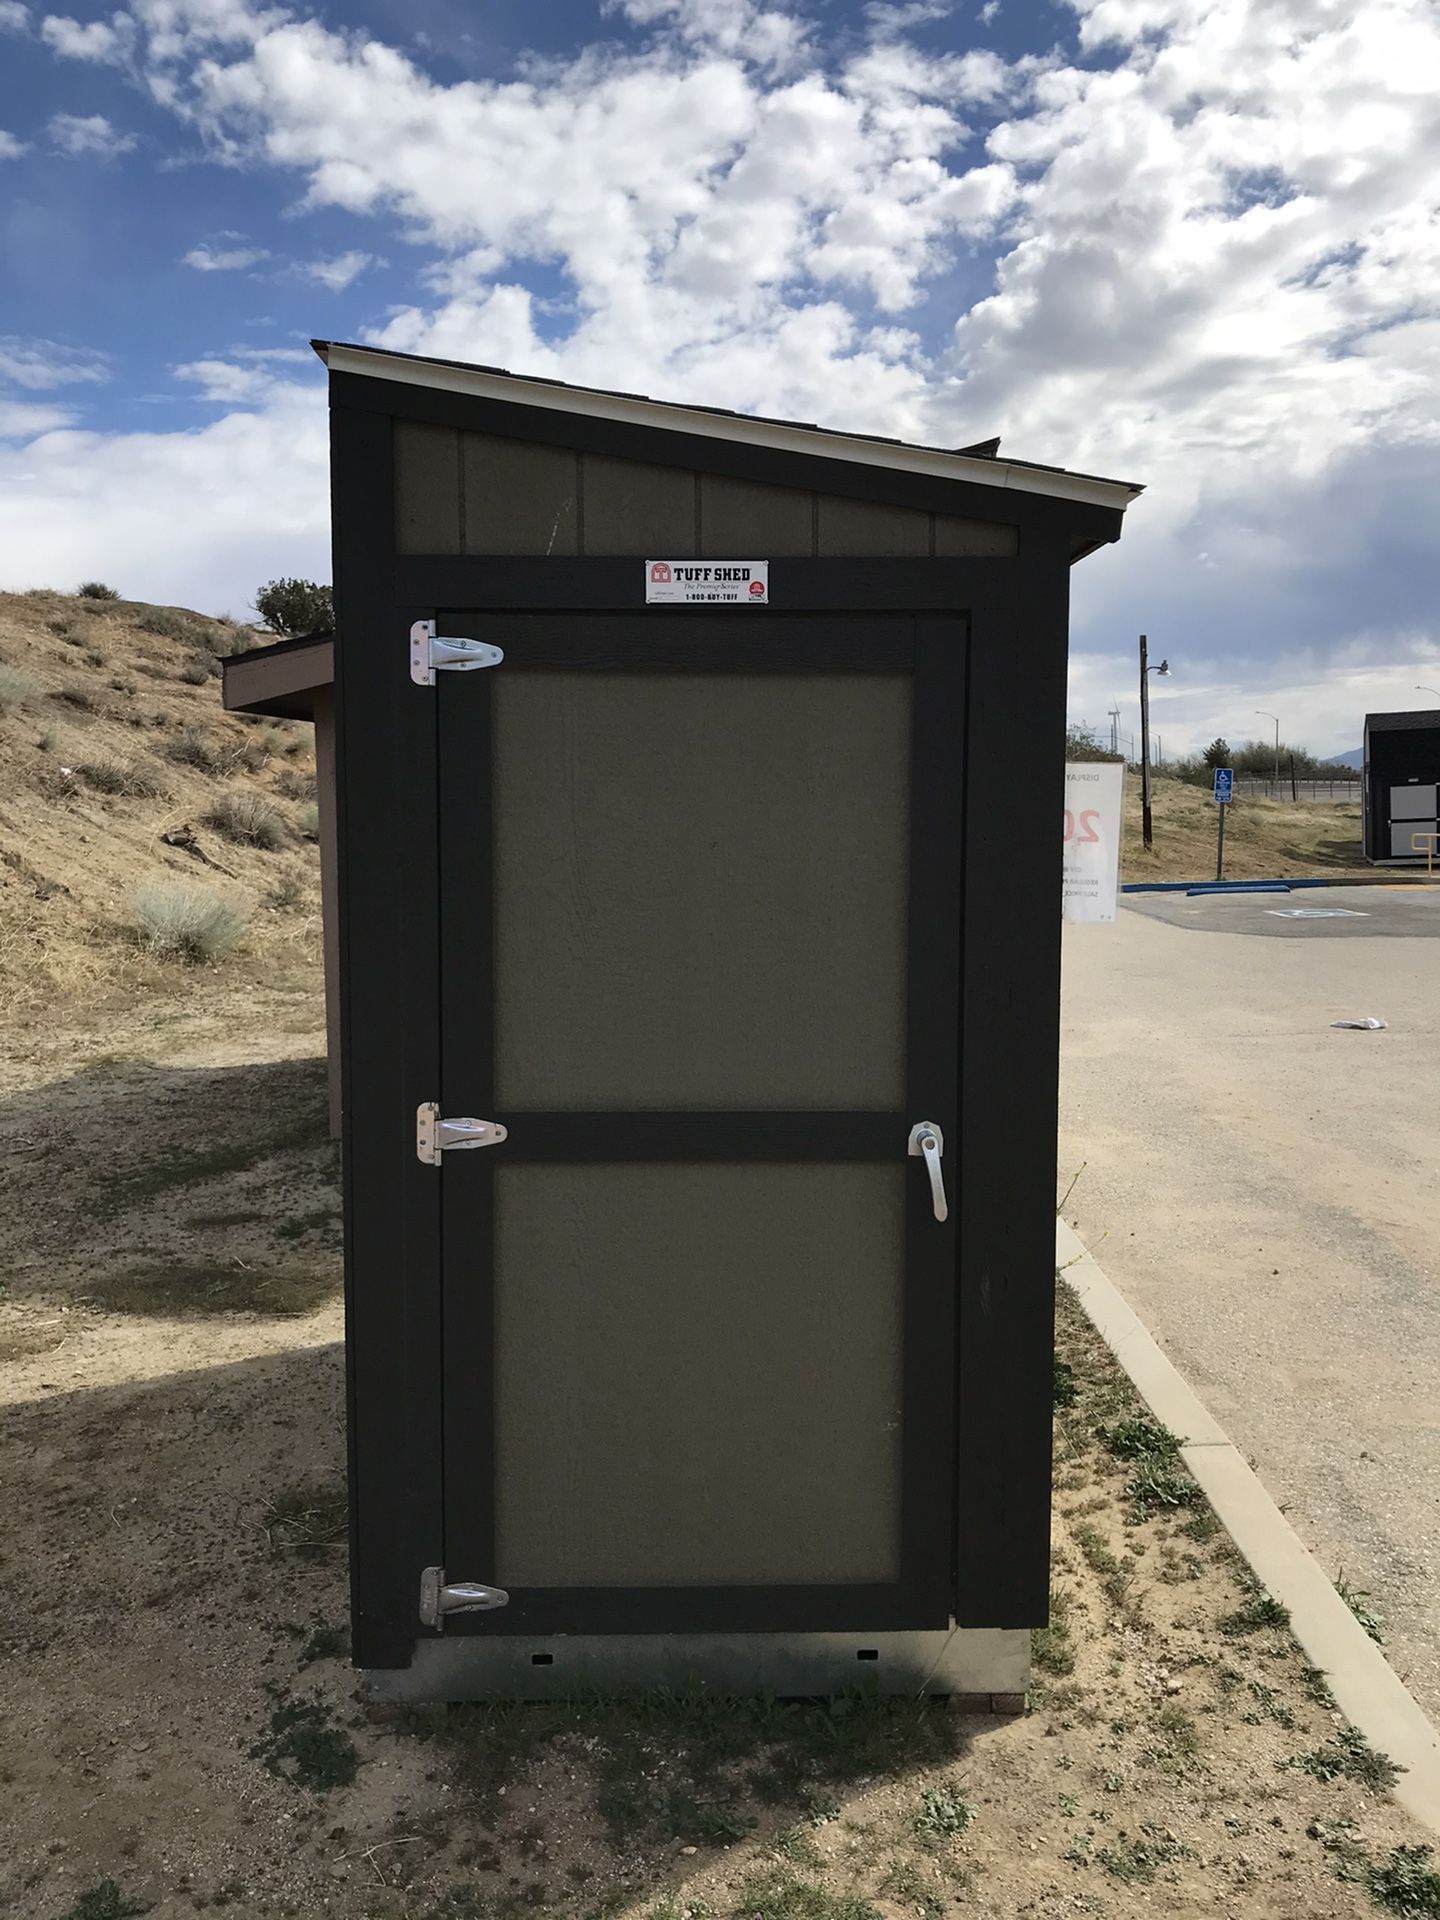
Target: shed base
970	1660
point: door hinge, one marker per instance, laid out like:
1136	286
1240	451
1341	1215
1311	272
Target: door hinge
434	1136
430	652
439	1597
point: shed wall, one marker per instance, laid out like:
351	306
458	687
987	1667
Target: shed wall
460	492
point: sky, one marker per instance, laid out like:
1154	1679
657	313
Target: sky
1191	243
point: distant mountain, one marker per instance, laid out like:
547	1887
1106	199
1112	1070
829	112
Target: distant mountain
1354	758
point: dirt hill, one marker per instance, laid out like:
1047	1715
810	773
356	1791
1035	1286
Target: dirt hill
112	737
1264	839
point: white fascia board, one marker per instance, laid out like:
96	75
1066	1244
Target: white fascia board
636	411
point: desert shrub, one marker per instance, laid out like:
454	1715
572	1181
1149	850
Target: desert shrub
119	684
195	671
177	917
171	623
294	607
289	893
47	740
84	698
95	658
96	590
296	785
193	747
249	819
309	822
113	776
16	690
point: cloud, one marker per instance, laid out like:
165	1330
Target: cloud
95	41
79	134
338	272
10	147
224	381
737	28
21	419
207	259
14	18
115	501
38	365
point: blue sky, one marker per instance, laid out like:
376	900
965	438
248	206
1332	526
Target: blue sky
1172	240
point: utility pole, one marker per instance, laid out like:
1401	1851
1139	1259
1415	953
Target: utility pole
1147	829
1264	715
1115	729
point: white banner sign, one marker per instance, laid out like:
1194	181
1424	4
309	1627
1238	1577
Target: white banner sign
726	583
1094	791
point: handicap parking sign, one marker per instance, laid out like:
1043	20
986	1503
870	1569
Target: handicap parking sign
1224	784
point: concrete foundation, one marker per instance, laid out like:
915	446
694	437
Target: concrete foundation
981	1663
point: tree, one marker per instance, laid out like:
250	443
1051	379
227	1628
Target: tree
1217	754
1081	744
294	607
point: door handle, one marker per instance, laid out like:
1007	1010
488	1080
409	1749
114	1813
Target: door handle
927	1143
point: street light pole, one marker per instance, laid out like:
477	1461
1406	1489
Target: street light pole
1276	718
1147	831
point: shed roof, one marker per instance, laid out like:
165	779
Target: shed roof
978	462
1422	718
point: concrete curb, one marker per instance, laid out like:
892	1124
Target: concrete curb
1366	1688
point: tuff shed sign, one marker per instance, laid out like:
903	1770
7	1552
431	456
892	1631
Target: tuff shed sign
728	583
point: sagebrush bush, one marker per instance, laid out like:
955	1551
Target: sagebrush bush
195	672
295	785
309	822
16	690
113	776
289	893
193	747
249	819
177	917
173	624
96	590
85	698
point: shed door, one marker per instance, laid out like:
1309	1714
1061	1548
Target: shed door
700	955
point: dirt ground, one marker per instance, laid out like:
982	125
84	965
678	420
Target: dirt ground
180	1727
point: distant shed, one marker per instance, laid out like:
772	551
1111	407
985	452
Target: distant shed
1401	786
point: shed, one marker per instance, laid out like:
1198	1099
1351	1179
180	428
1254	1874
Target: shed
697	781
1400	787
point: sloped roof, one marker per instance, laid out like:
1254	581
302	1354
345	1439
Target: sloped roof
979	461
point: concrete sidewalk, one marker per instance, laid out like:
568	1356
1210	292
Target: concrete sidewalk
1264	1190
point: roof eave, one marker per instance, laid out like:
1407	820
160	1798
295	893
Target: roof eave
489	383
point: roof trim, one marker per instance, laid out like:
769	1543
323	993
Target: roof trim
493	383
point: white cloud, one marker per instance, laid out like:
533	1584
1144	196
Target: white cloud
737	28
77	134
112	502
38	365
10	147
337	272
96	41
225	382
14	18
22	419
208	259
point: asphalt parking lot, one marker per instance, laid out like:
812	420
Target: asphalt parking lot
1307	913
1265	1189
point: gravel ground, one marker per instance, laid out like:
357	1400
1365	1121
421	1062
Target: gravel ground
1263	1188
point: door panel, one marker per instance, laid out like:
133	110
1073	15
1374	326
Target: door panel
700	955
700	890
739	1431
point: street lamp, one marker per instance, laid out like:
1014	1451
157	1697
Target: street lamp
1276	718
1145	672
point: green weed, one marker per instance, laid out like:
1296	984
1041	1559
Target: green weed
943	1812
302	1746
106	1902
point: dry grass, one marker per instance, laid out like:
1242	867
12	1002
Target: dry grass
91	774
1264	839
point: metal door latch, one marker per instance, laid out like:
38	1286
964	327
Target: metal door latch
434	1136
927	1143
439	1597
430	652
